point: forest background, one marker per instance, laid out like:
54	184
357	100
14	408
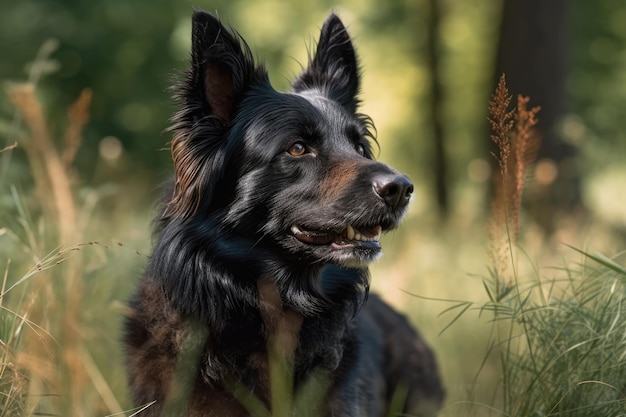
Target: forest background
429	69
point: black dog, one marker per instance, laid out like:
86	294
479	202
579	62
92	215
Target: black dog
255	301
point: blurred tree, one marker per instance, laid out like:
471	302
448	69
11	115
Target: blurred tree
436	97
532	53
126	52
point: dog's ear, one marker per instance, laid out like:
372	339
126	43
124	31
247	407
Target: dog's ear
221	66
222	70
333	68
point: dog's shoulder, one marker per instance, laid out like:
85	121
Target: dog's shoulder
407	361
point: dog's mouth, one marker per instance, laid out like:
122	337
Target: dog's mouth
351	236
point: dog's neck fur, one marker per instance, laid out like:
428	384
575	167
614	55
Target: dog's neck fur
203	252
258	301
282	324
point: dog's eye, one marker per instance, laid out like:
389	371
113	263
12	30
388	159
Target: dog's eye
360	149
297	149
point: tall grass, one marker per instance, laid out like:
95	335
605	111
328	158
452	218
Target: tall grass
559	341
570	356
47	366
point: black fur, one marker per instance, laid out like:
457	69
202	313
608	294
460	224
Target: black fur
255	249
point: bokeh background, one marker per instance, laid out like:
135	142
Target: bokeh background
429	69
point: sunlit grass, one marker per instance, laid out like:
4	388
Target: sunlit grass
537	342
59	305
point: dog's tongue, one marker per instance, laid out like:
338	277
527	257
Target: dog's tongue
314	238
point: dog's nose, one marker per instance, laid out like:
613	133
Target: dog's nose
396	190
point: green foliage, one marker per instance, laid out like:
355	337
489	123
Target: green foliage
597	81
559	343
568	358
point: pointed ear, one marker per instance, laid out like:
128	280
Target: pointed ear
334	68
222	70
222	67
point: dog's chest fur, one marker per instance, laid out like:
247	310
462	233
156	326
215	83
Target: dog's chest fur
179	362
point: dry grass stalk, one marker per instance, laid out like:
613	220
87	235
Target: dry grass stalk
9	147
78	116
51	169
50	174
517	140
501	121
525	146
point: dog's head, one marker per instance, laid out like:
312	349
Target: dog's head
290	172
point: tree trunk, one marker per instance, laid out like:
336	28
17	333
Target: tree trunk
532	53
440	170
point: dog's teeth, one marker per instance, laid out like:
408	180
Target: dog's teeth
350	232
379	231
295	229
